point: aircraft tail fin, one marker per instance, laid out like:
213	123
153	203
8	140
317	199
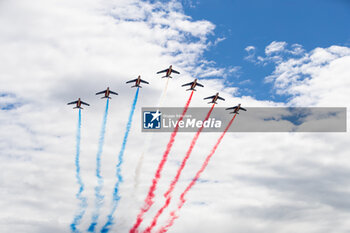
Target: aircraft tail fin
106	97
191	89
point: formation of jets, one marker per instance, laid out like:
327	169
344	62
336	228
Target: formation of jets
137	81
236	109
107	92
78	103
214	98
193	85
167	72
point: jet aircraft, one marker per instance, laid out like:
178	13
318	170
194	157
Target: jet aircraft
78	103
137	81
193	85
236	109
214	98
168	72
107	92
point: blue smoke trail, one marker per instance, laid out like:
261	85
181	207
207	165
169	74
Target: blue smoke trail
98	196
83	202
116	196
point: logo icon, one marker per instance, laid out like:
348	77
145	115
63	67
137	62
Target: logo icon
152	119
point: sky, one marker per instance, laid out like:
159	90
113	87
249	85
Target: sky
257	23
258	53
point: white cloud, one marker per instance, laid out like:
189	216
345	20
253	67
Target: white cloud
218	40
297	49
250	48
275	52
275	47
56	51
251	53
317	78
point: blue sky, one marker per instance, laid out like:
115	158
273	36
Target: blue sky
311	23
56	51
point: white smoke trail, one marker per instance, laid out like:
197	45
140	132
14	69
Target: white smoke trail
147	142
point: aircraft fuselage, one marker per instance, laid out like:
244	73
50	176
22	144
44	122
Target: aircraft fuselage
79	103
168	73
215	98
138	81
237	109
107	92
194	84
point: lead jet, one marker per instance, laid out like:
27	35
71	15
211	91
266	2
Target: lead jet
137	81
214	98
193	85
236	109
168	72
107	92
79	103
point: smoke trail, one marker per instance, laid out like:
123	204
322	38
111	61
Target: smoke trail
140	161
162	97
116	196
148	141
83	202
149	199
167	195
173	216
98	196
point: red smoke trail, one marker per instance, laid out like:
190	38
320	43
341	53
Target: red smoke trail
173	216
149	199
176	178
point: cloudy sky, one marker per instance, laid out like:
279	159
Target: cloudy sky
258	53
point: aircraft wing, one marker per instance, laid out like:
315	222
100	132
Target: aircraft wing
243	109
188	84
101	92
209	97
176	72
231	108
221	98
198	84
74	102
131	81
143	81
85	103
162	71
112	92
